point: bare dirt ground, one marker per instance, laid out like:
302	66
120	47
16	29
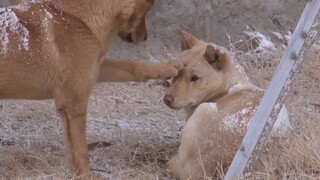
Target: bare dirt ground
143	132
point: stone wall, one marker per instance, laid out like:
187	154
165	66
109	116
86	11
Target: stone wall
214	19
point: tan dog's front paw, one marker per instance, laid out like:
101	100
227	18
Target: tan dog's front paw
170	69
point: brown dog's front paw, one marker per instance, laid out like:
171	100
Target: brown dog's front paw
171	69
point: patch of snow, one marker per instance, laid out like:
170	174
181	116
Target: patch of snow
264	41
48	14
288	36
207	107
239	122
20	7
240	86
213	106
45	21
236	87
278	35
236	122
245	111
282	124
230	122
10	22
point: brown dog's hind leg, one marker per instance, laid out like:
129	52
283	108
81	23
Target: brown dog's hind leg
74	111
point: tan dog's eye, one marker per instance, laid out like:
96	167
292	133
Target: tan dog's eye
194	78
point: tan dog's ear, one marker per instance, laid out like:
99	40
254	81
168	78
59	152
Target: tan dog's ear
215	57
187	40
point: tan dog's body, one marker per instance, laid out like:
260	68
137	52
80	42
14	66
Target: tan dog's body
56	49
219	101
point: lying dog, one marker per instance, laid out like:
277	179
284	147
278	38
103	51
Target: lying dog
219	101
55	49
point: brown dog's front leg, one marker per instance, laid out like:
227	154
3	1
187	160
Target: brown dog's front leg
133	70
74	112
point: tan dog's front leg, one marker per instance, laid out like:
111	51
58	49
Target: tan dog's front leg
74	112
132	70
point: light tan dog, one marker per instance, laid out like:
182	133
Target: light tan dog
219	101
55	49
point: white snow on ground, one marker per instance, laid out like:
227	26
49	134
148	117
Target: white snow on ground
285	37
264	41
282	124
288	36
10	24
278	35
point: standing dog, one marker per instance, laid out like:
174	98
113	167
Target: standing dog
219	101
55	49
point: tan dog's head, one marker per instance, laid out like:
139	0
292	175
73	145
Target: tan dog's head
134	29
203	77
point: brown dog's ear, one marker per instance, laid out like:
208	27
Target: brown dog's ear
187	40
215	57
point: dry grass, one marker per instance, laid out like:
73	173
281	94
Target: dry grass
144	133
131	116
298	156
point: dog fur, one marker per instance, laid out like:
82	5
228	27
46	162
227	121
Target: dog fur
219	101
55	49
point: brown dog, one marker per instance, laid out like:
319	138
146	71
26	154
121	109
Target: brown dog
219	101
55	49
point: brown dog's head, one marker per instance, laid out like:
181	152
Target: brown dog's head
134	29
203	77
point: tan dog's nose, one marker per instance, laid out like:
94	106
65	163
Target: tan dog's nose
168	100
